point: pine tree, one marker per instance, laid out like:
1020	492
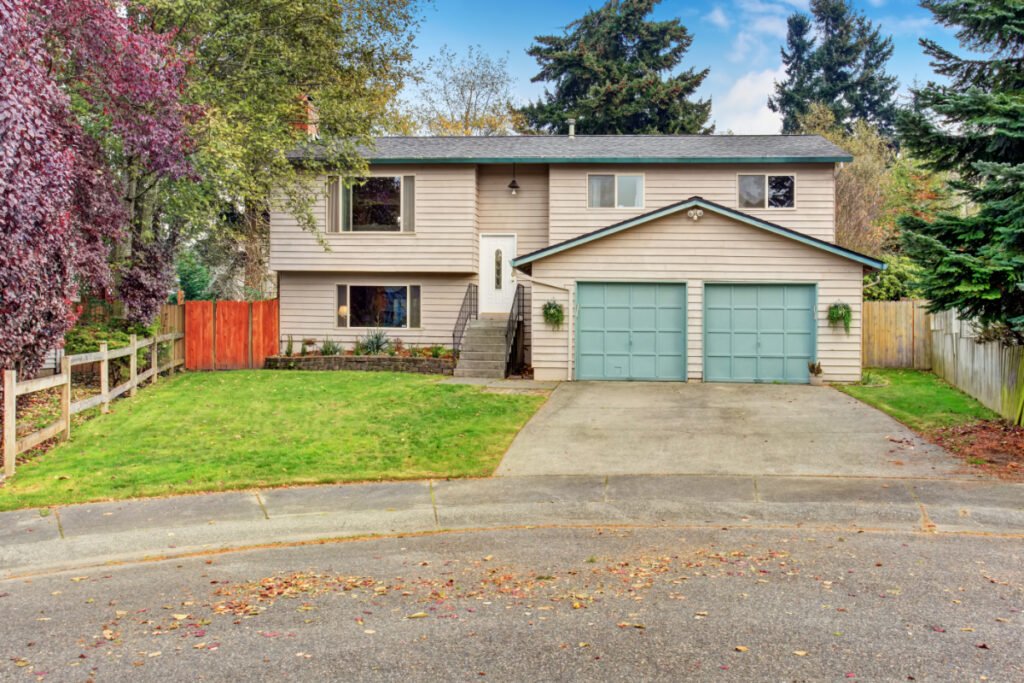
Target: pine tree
844	70
611	71
973	259
793	96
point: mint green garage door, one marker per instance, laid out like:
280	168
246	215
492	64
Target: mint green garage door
631	330
758	333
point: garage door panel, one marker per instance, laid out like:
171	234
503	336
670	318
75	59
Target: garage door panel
631	331
759	333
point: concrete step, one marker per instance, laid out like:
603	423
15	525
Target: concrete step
468	354
485	333
487	324
483	374
469	364
483	345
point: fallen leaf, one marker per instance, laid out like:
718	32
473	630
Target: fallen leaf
800	653
417	615
180	617
742	648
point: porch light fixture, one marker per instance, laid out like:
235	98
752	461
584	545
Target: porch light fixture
695	214
514	186
342	311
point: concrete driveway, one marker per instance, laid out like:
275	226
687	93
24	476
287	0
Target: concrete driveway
609	428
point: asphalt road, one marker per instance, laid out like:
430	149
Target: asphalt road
538	604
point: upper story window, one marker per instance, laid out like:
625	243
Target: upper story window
615	191
375	204
767	191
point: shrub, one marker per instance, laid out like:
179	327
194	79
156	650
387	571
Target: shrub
330	348
375	342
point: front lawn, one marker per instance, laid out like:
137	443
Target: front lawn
920	400
234	430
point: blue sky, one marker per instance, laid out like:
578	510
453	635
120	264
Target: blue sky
738	39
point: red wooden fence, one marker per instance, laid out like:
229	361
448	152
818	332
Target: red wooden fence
230	335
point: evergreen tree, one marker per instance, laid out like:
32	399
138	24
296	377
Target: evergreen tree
845	70
794	96
614	70
973	259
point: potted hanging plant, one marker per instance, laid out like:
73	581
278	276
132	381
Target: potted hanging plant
840	313
554	314
815	371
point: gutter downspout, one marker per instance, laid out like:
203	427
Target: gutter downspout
572	318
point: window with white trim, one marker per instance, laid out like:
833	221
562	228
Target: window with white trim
391	306
374	204
615	191
767	191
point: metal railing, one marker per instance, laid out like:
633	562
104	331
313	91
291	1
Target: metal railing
514	332
468	311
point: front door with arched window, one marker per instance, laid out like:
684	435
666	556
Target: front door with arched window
497	284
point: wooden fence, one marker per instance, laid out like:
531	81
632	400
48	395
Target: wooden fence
230	335
12	388
989	371
896	334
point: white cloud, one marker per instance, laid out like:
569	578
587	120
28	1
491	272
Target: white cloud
744	108
771	25
718	18
876	3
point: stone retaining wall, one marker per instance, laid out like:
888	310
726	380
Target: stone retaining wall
425	366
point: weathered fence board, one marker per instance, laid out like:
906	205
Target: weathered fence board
896	334
230	335
989	371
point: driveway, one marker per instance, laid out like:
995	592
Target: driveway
609	428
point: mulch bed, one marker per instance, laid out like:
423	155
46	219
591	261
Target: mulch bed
994	446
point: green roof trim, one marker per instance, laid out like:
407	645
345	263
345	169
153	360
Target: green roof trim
746	218
612	160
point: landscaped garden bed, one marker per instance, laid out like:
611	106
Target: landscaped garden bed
384	363
945	416
234	430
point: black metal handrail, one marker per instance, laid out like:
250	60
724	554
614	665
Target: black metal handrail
468	311
516	318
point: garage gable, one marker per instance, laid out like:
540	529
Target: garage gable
697	204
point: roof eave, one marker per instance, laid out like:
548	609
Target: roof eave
612	160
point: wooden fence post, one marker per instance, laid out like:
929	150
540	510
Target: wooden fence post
104	379
65	397
133	365
10	428
154	361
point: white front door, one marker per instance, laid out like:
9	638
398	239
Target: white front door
497	287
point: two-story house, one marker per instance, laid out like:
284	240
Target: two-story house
670	257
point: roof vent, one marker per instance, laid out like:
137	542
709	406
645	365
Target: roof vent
572	129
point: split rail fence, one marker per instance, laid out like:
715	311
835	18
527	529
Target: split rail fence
172	329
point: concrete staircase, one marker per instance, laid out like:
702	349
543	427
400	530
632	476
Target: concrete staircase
483	348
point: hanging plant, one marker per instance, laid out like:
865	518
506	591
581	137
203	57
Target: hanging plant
554	314
840	313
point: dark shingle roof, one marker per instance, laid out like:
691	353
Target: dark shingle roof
599	148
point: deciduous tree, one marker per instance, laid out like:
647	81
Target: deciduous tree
468	95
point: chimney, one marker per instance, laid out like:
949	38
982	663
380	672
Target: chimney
572	129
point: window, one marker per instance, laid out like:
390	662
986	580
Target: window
615	191
497	269
376	204
775	191
378	306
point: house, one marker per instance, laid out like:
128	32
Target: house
670	257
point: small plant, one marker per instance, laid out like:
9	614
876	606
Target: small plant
840	313
814	367
330	348
554	313
436	351
398	345
872	379
289	347
375	342
307	344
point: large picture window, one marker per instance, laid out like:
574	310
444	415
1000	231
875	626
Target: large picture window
625	191
767	191
375	204
378	306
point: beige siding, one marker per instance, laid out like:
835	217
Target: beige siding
445	239
664	184
715	249
308	305
525	214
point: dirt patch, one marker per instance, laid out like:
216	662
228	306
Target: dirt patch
993	446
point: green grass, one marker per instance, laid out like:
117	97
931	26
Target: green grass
231	430
918	399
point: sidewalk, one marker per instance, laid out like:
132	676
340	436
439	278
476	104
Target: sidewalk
95	534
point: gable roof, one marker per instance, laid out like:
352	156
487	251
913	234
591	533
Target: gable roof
746	218
675	149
